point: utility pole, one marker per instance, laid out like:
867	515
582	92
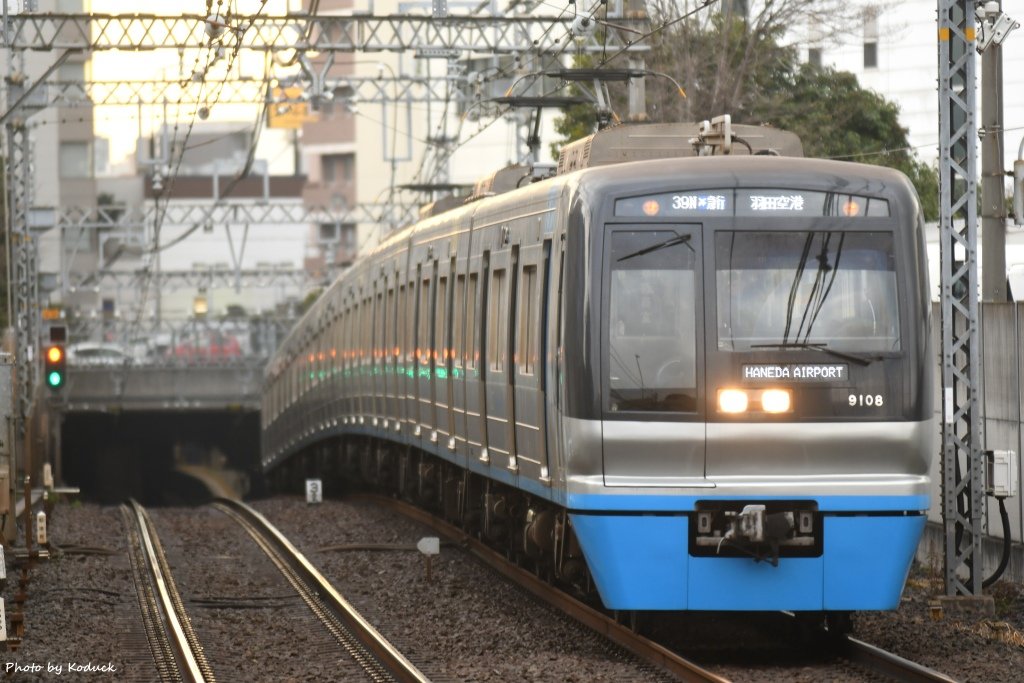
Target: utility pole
993	200
963	486
963	473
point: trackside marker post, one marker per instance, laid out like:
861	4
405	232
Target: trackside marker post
429	546
41	528
314	491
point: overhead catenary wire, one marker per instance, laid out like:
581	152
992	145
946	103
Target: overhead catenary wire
159	216
606	60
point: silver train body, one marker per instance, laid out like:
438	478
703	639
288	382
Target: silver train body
698	383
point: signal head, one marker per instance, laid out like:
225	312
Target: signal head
54	366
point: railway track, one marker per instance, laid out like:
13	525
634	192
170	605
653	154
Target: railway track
656	655
892	665
378	657
176	649
861	654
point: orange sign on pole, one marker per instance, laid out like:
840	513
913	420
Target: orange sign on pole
286	109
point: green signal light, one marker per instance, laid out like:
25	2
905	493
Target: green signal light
55	379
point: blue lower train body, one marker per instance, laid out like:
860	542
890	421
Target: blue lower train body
639	558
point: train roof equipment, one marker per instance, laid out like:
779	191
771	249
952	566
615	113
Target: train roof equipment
640	142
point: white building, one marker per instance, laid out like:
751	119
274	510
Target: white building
894	52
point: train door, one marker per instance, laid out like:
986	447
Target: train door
498	370
529	340
390	351
474	401
361	333
424	349
376	368
554	361
410	363
652	356
442	379
347	405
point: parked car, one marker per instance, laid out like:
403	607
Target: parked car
207	343
97	353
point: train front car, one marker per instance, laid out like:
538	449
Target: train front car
749	426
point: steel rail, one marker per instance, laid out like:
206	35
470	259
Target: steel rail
191	663
319	594
890	664
643	648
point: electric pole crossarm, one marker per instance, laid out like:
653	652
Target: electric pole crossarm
129	93
179	280
326	33
253	212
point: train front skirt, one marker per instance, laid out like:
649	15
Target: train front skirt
642	562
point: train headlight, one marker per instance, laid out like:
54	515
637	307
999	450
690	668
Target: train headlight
732	401
775	401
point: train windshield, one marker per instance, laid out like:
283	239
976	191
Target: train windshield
652	321
835	290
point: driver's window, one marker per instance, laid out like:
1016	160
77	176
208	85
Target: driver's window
651	309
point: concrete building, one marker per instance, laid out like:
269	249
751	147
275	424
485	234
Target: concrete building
894	51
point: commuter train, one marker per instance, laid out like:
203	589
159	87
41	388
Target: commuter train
699	382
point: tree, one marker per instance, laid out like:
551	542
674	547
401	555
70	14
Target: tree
837	119
723	54
734	62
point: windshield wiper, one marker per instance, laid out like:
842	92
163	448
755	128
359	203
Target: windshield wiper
855	358
671	242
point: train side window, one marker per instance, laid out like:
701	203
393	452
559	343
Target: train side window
350	343
295	384
357	336
409	317
391	338
472	327
337	344
496	317
303	370
423	335
378	342
526	342
400	327
366	350
458	322
440	322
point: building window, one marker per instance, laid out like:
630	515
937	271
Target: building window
337	167
347	237
814	56
328	233
871	38
74	160
870	55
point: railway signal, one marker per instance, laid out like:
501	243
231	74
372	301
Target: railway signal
55	366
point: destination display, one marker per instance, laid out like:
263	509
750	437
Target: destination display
751	202
683	204
796	372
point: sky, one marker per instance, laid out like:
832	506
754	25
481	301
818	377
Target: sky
113	123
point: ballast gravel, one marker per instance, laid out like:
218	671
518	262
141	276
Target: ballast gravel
462	624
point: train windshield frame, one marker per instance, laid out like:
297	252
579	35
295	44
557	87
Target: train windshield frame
779	289
653	305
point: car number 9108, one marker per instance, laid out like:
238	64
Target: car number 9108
870	400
